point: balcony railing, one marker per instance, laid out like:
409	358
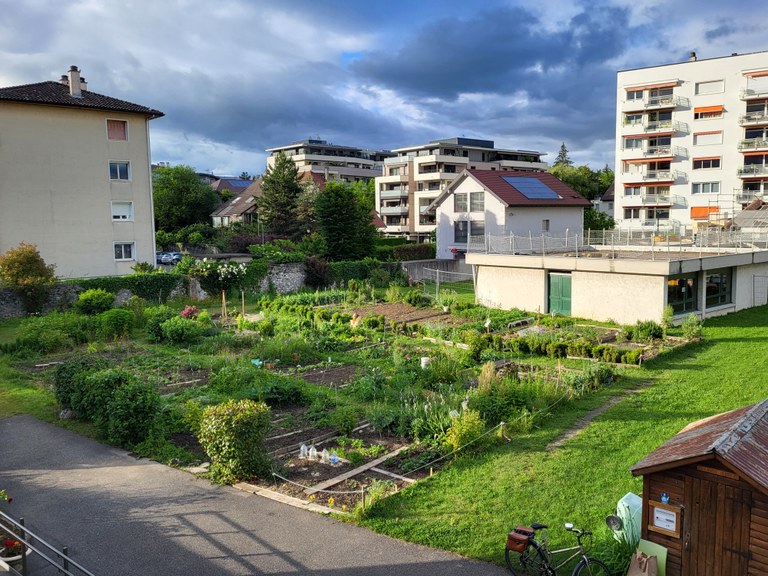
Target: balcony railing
753	144
666	101
752	170
658	151
394	193
745	196
753	118
658	125
401	209
751	93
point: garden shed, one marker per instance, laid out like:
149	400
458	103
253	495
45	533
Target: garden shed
705	495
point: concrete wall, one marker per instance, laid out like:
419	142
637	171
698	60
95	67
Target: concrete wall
623	298
505	288
55	189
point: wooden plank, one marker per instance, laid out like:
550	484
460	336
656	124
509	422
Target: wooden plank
347	475
393	475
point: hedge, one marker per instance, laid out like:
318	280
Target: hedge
415	252
152	287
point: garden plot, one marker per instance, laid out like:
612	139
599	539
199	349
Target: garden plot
405	313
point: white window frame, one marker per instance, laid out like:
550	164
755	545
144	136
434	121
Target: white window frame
124	122
705	188
706	164
633	143
633	119
118	164
708	139
121	215
121	247
634	95
710	87
476	205
633	191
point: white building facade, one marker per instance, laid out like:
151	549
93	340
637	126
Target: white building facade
413	179
691	142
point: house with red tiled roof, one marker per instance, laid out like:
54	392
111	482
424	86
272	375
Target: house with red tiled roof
240	208
491	202
75	177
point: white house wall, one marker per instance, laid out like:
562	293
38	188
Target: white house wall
623	298
506	288
522	220
55	189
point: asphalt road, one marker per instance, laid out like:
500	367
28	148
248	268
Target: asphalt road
122	516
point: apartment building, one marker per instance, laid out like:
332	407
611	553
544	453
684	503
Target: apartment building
414	178
75	177
691	142
331	161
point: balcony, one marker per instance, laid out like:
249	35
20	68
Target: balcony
746	196
754	93
752	170
753	144
753	118
656	175
393	210
395	193
668	101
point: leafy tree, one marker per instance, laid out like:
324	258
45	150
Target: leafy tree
594	220
24	270
562	157
366	192
306	215
277	205
344	223
583	179
180	198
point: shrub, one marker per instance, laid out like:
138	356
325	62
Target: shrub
190	312
691	327
156	315
68	374
132	412
414	252
94	301
232	434
344	419
24	270
418	299
465	428
152	287
557	349
91	395
137	305
318	272
647	331
143	268
178	330
116	323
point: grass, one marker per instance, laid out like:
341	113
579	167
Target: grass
469	507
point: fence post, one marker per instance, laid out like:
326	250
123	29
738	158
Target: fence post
437	283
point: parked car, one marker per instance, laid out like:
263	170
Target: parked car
171	257
159	257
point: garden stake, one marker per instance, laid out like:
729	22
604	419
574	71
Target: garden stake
362	496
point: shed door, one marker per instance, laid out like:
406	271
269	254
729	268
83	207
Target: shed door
560	293
716	529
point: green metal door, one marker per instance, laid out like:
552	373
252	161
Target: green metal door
560	293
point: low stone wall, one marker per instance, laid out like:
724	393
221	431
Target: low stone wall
285	278
12	306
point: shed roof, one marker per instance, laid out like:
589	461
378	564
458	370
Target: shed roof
738	438
56	94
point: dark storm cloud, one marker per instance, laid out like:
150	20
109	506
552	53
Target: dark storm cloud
721	31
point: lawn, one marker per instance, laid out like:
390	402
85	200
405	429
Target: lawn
470	507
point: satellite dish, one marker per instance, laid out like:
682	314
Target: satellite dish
614	522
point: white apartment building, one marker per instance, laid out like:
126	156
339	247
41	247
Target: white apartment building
413	179
331	161
691	142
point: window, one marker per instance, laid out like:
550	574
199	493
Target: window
545	225
658	190
634	95
682	293
460	229
394	171
122	210
631	213
633	190
658	213
460	202
633	143
476	201
117	130
707	138
708	112
477	228
123	250
705	188
633	119
718	287
119	171
705	163
711	87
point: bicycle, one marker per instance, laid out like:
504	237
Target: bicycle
527	556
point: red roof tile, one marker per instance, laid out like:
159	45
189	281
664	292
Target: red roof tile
494	181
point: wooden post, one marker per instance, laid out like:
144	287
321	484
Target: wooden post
242	301
223	305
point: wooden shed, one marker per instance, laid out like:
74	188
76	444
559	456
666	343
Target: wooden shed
705	495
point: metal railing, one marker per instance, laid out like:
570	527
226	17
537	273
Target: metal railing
753	144
33	546
753	118
753	169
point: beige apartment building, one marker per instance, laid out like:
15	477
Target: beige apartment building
413	179
75	177
331	161
691	142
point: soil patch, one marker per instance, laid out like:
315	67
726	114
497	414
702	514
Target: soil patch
405	313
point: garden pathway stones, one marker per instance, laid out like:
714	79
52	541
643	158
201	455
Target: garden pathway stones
121	516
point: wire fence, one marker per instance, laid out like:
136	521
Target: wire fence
446	287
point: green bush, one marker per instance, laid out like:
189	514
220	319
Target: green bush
155	287
691	327
647	331
155	316
94	301
418	299
69	374
344	419
318	272
132	412
91	395
137	305
465	428
414	252
232	434
178	330
116	323
24	270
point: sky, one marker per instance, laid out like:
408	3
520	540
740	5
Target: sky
235	77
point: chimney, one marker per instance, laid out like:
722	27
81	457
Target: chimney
74	82
692	57
83	84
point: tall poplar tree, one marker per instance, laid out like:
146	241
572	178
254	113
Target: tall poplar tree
277	204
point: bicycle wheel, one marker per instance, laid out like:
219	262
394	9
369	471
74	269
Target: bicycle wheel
591	567
532	562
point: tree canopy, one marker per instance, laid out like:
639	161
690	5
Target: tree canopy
277	205
180	198
562	157
589	183
344	222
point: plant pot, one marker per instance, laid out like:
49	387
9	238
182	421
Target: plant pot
12	559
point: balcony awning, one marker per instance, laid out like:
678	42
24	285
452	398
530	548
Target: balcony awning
649	135
763	153
651	86
654	184
707	158
703	212
700	109
648	160
710	132
756	74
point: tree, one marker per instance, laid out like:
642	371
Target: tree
24	270
366	192
245	176
562	157
583	179
344	222
594	220
277	204
180	198
306	215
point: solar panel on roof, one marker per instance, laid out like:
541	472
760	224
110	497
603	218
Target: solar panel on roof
239	183
532	188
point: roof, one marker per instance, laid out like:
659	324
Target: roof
377	221
738	438
234	185
309	176
608	194
500	184
242	203
56	94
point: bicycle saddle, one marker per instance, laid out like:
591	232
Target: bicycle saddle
537	526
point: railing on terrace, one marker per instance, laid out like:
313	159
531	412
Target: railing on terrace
753	118
753	144
667	100
646	242
753	169
748	93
